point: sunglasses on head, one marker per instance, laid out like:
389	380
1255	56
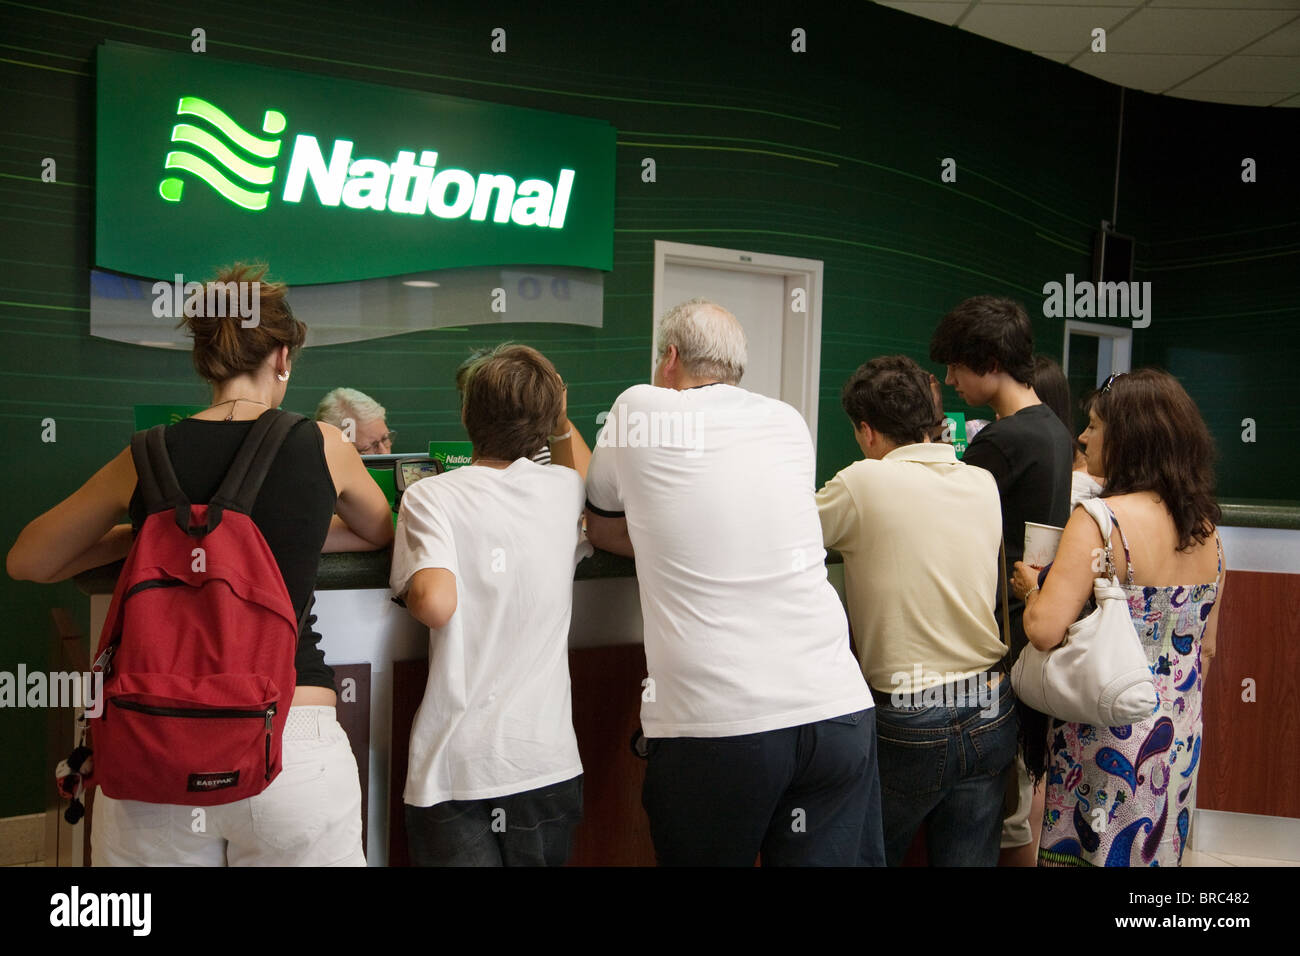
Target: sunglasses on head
1111	381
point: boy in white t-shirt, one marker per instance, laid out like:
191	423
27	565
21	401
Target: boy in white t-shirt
484	555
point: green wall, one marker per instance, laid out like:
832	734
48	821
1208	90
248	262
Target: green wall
833	154
1223	259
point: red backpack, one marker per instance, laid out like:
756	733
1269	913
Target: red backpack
198	647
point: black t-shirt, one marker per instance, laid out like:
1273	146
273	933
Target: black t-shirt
1030	454
292	510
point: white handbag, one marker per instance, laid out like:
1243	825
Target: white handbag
1099	674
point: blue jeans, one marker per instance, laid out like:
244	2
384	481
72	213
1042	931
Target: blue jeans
942	766
801	796
532	828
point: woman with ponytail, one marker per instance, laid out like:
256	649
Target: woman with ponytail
317	496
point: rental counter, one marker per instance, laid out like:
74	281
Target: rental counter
379	653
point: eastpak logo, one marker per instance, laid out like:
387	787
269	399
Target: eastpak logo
204	782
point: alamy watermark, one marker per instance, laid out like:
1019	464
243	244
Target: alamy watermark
172	300
656	429
1088	300
54	689
932	689
129	910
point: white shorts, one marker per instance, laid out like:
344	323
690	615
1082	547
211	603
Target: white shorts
1016	830
310	815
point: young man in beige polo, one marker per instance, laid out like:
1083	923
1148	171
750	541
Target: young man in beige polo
919	532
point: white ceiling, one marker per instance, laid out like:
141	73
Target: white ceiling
1223	51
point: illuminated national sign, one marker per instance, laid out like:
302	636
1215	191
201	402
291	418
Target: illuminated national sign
202	162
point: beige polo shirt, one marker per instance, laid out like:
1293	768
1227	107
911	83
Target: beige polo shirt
920	533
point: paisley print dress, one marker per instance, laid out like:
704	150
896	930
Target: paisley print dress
1124	796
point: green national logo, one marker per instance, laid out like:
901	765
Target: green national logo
201	161
405	185
234	177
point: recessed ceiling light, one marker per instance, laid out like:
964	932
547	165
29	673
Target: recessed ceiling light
420	283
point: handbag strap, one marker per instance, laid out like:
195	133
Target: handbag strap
1101	514
1006	607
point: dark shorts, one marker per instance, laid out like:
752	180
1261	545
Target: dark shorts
532	828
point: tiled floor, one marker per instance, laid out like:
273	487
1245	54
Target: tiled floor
1193	858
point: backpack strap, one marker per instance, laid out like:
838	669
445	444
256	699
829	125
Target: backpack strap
159	489
244	480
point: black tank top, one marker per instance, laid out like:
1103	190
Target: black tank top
292	510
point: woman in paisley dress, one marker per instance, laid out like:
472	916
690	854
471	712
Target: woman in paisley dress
1125	796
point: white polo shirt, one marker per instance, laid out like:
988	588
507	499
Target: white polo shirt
496	718
743	631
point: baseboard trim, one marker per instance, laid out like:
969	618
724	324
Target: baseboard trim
22	839
1246	834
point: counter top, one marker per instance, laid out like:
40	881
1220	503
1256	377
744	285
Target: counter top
369	569
1260	513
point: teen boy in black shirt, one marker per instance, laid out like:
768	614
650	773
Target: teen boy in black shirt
988	346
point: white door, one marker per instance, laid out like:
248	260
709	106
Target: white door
778	302
758	301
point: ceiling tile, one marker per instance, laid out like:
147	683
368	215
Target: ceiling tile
1041	27
1278	73
1229	4
1058	55
1142	71
1236	98
1131	4
1193	31
1283	42
1249	50
943	12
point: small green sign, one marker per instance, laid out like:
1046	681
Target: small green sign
452	454
202	162
954	431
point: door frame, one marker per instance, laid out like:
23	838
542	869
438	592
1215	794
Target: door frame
1115	339
801	368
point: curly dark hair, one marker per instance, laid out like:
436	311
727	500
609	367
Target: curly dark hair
892	395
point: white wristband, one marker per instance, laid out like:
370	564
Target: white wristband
561	437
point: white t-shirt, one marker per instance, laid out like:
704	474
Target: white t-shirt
743	631
496	718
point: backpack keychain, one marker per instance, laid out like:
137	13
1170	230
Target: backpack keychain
70	777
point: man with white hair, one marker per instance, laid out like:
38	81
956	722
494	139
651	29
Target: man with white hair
358	415
760	733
